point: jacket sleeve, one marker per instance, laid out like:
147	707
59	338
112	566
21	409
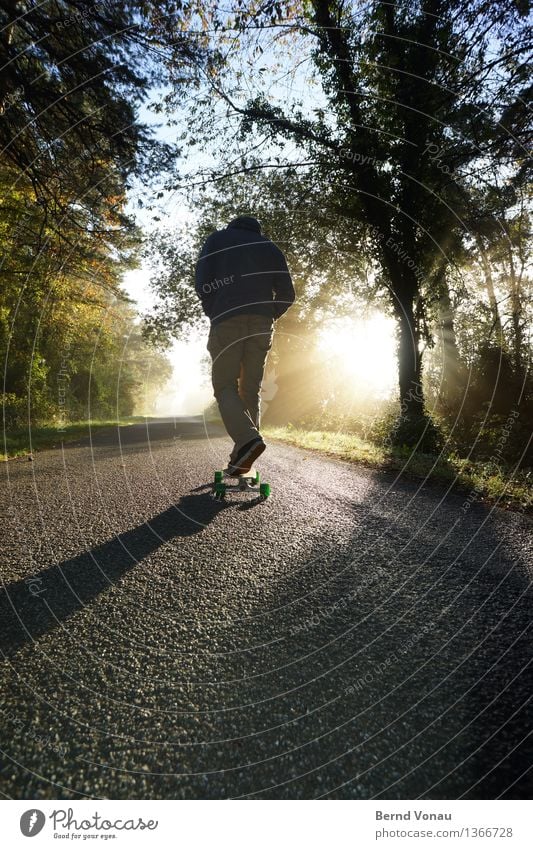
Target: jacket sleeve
284	294
204	274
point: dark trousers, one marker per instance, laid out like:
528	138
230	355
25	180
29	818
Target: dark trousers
239	348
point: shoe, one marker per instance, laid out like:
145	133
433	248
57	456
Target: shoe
246	457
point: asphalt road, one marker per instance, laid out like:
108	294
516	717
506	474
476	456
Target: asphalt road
355	636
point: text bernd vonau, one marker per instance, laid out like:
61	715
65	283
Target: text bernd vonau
416	815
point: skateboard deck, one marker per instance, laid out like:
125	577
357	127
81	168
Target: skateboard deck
250	482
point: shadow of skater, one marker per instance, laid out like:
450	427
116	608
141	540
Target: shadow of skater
35	605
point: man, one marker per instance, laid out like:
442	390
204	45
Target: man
244	284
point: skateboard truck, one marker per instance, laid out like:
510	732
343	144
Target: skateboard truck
250	482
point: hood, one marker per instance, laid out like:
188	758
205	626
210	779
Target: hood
245	222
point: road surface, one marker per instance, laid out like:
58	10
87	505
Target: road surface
355	636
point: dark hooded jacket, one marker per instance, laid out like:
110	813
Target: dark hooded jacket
241	271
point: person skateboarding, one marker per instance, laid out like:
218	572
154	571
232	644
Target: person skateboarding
244	285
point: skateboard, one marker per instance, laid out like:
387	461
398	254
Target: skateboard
250	482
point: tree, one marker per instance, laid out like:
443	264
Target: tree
71	143
411	101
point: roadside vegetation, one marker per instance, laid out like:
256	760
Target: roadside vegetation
503	484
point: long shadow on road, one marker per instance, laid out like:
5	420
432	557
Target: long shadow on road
36	605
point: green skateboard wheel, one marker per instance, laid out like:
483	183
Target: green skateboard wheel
219	477
257	478
264	490
220	490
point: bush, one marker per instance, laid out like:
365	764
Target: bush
410	431
502	436
15	410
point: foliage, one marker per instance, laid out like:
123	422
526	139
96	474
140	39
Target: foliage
414	135
71	145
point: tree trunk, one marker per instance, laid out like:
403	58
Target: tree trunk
452	367
413	427
409	362
516	317
487	272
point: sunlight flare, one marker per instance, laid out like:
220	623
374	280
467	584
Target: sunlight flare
363	351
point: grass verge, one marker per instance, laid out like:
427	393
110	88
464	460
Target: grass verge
21	442
481	481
